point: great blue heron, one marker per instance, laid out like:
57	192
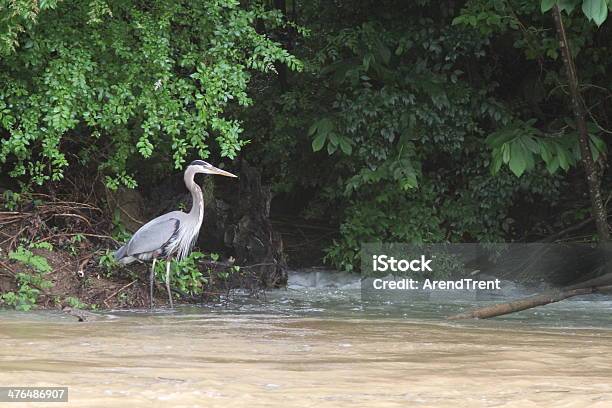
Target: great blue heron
171	234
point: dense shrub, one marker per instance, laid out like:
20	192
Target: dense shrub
116	82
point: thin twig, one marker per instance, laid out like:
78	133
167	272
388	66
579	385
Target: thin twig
79	233
119	290
73	215
8	268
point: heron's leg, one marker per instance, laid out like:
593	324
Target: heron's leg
152	282
168	283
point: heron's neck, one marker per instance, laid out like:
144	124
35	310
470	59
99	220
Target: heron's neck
197	199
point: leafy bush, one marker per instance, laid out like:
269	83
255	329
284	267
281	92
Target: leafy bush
187	274
108	81
29	283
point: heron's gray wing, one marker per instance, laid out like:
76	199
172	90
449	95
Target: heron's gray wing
155	234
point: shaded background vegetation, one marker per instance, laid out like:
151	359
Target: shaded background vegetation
431	121
415	121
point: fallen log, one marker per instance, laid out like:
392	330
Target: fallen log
542	299
521	304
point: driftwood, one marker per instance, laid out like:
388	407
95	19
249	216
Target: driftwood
602	284
521	304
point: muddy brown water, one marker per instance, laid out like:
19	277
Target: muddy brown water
283	352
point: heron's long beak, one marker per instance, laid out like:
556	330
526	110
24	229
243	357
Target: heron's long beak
220	172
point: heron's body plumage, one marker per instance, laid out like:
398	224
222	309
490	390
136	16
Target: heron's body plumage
156	239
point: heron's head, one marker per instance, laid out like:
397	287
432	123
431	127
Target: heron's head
200	166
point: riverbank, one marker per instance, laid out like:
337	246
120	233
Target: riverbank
56	253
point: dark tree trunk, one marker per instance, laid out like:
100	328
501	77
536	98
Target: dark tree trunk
256	244
597	206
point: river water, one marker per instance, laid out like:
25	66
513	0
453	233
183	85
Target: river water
316	344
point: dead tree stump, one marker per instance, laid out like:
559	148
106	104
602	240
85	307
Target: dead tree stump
255	243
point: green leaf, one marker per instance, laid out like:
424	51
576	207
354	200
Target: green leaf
312	129
505	149
333	138
323	130
496	162
324	125
345	146
531	144
331	148
563	158
318	142
547	5
517	163
546	153
410	181
598	146
501	137
596	10
553	165
567	5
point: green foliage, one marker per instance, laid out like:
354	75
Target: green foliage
414	119
73	246
119	231
19	16
187	276
594	10
108	263
11	200
75	302
323	131
114	80
42	245
30	283
520	144
27	258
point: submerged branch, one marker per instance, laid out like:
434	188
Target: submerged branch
602	284
521	304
